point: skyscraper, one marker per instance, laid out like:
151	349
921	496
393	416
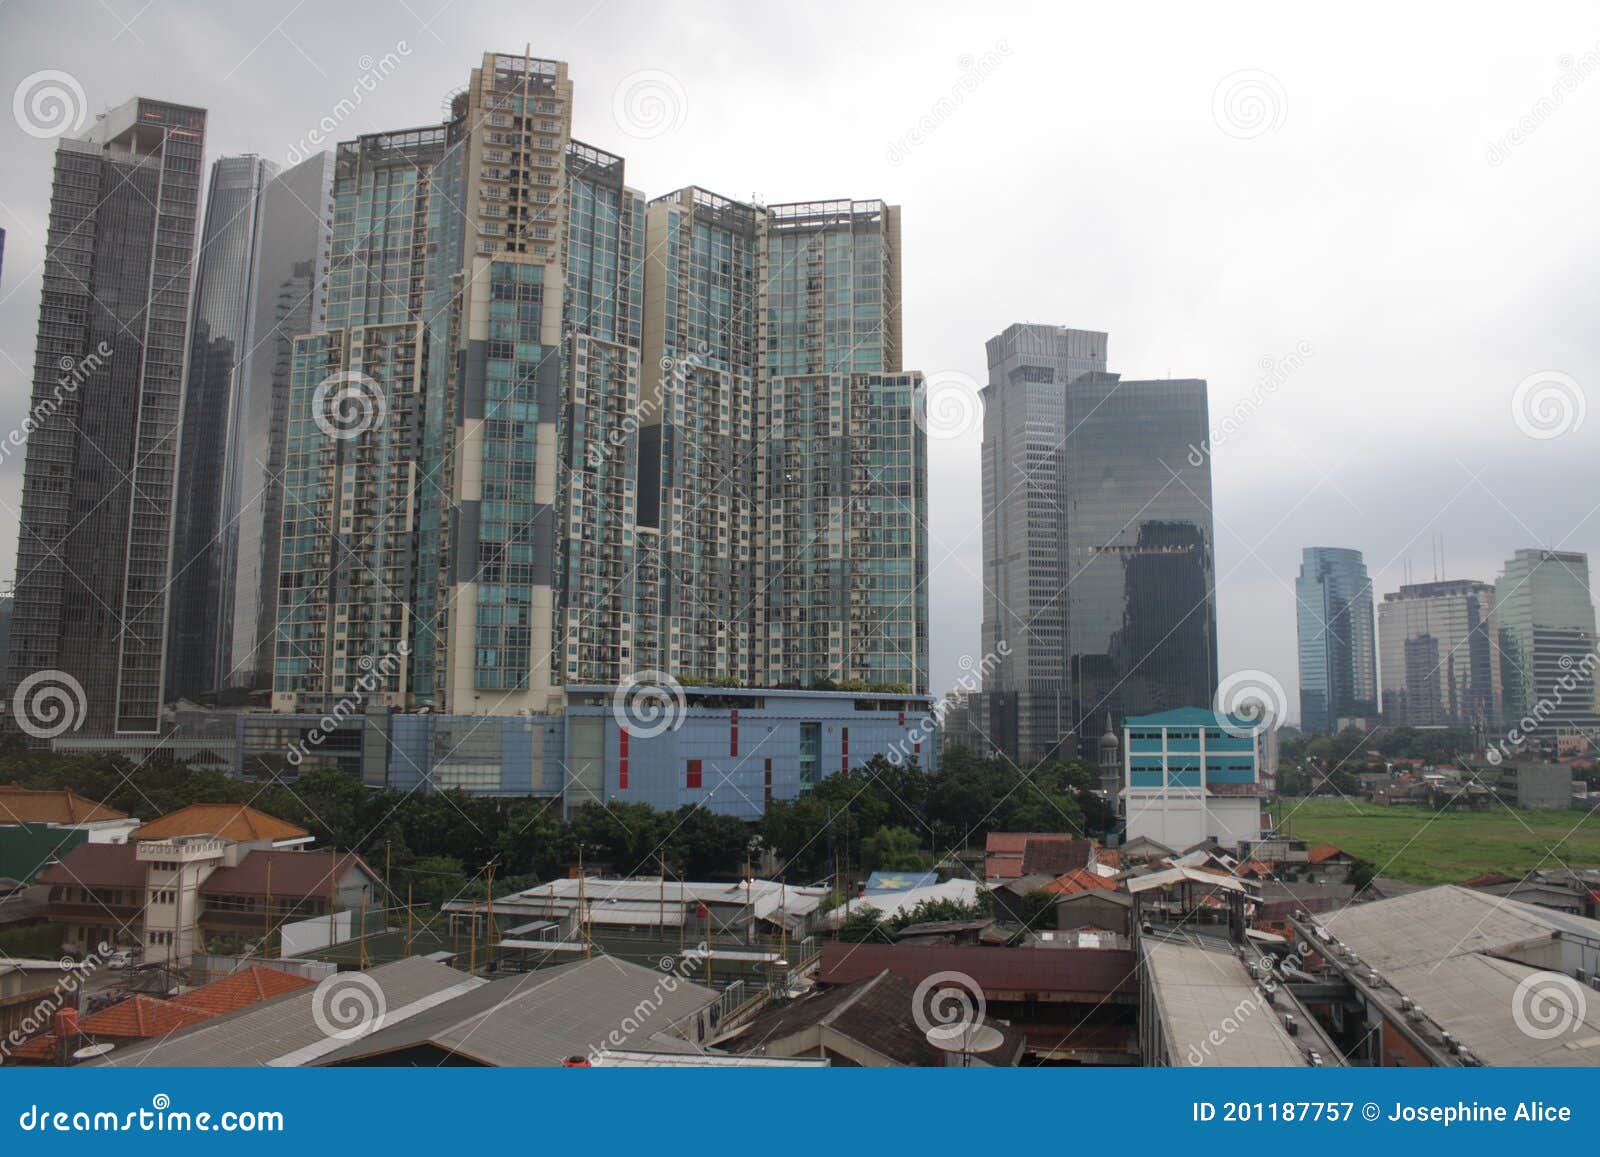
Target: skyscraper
1338	652
1026	706
1439	646
1547	643
1141	614
93	553
565	467
258	284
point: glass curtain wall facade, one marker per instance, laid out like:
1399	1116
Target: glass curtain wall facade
1547	642
1141	614
1024	533
259	285
94	547
574	475
1439	655
1337	642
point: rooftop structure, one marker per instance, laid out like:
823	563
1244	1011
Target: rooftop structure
1450	976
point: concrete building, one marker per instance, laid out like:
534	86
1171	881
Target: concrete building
1547	645
1201	1006
1451	976
1439	646
94	546
259	283
584	465
203	871
730	750
1025	700
1542	785
1338	649
1192	775
39	826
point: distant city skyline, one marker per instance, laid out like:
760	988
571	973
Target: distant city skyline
1310	205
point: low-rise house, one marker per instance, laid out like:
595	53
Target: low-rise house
37	826
1074	1005
204	871
142	1018
868	1023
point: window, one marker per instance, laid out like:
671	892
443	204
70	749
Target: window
693	777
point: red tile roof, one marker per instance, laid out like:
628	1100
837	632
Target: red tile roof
22	805
1005	851
1079	880
136	1018
242	989
96	866
293	874
1088	974
231	821
1323	852
140	1017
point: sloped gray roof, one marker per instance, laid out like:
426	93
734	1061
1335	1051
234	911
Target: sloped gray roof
540	1018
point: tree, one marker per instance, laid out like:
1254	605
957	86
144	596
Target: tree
892	849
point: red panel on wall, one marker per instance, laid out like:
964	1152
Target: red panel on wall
733	734
622	761
693	778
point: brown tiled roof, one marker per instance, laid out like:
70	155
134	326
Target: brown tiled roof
1053	857
231	821
1079	880
1323	852
241	989
97	866
1066	973
872	1011
140	1017
1005	851
293	874
23	805
136	1018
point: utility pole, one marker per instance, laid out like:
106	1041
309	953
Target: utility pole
488	932
266	914
408	917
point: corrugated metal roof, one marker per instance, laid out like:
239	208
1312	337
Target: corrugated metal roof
1067	973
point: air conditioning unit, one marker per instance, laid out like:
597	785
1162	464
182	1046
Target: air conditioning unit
1594	982
1407	1004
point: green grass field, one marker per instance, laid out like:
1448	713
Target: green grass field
1412	843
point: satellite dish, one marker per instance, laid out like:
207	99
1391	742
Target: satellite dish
965	1038
89	1052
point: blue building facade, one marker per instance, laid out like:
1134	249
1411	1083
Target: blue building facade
1192	774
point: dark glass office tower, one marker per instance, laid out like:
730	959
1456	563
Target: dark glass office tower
1338	645
1141	614
1025	706
93	553
258	285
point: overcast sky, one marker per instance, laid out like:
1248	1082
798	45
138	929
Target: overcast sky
1408	202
